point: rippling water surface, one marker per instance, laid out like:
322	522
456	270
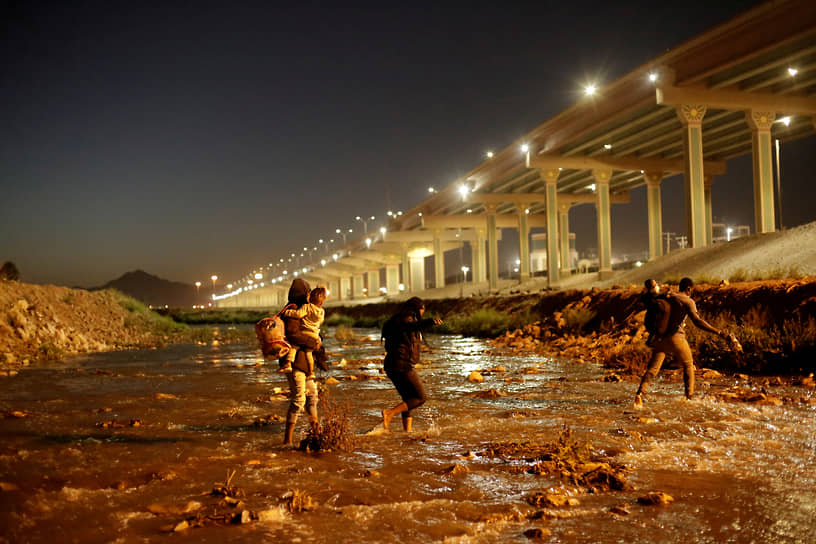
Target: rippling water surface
738	472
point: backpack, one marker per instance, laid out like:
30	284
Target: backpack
270	333
658	311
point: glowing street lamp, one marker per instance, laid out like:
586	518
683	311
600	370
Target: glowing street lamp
198	284
489	154
258	276
590	89
214	279
365	222
343	234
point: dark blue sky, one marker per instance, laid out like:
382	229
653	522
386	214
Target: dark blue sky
197	138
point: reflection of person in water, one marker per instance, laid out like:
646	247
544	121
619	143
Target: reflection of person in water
403	335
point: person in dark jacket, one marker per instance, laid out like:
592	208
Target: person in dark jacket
403	337
304	394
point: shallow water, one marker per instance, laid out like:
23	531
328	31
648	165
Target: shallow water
738	472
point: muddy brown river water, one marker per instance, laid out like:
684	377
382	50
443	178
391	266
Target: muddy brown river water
738	472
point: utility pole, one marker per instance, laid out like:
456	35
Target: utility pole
682	241
668	236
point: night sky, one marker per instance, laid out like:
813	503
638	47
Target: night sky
196	138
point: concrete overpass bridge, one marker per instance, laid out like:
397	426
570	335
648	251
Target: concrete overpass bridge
728	92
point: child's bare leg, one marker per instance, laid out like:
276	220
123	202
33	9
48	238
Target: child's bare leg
290	358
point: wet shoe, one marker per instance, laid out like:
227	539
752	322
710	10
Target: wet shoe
638	401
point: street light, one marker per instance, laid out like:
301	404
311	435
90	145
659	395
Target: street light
198	284
343	234
465	270
365	223
214	278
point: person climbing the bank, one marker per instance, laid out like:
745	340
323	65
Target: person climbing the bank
307	338
304	395
672	339
403	337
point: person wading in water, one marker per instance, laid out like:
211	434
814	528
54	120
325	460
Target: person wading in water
403	335
673	341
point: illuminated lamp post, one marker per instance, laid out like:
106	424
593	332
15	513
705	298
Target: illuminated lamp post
214	279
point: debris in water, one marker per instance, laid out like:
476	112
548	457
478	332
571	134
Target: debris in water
656	498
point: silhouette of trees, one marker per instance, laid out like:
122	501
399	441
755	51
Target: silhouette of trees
9	271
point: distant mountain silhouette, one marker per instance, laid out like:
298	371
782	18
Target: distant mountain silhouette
156	291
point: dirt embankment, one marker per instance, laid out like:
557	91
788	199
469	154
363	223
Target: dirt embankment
780	298
45	321
774	320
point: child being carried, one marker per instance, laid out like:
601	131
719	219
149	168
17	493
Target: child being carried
307	339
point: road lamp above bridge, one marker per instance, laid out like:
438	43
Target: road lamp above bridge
364	221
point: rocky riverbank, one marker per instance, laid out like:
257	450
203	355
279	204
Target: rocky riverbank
49	322
774	320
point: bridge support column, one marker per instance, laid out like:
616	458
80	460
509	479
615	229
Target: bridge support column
602	178
333	285
551	202
345	288
564	242
492	247
654	202
478	257
417	267
439	259
708	181
392	279
406	269
760	123
373	283
358	281
691	115
524	242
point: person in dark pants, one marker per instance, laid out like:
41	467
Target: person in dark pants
673	342
403	336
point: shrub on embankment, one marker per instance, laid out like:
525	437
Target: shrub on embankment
774	321
226	316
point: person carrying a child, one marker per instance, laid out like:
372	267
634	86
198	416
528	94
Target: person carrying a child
307	337
304	394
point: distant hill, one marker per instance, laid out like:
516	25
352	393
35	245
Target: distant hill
155	291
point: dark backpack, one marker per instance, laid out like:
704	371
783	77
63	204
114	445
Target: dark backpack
658	311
